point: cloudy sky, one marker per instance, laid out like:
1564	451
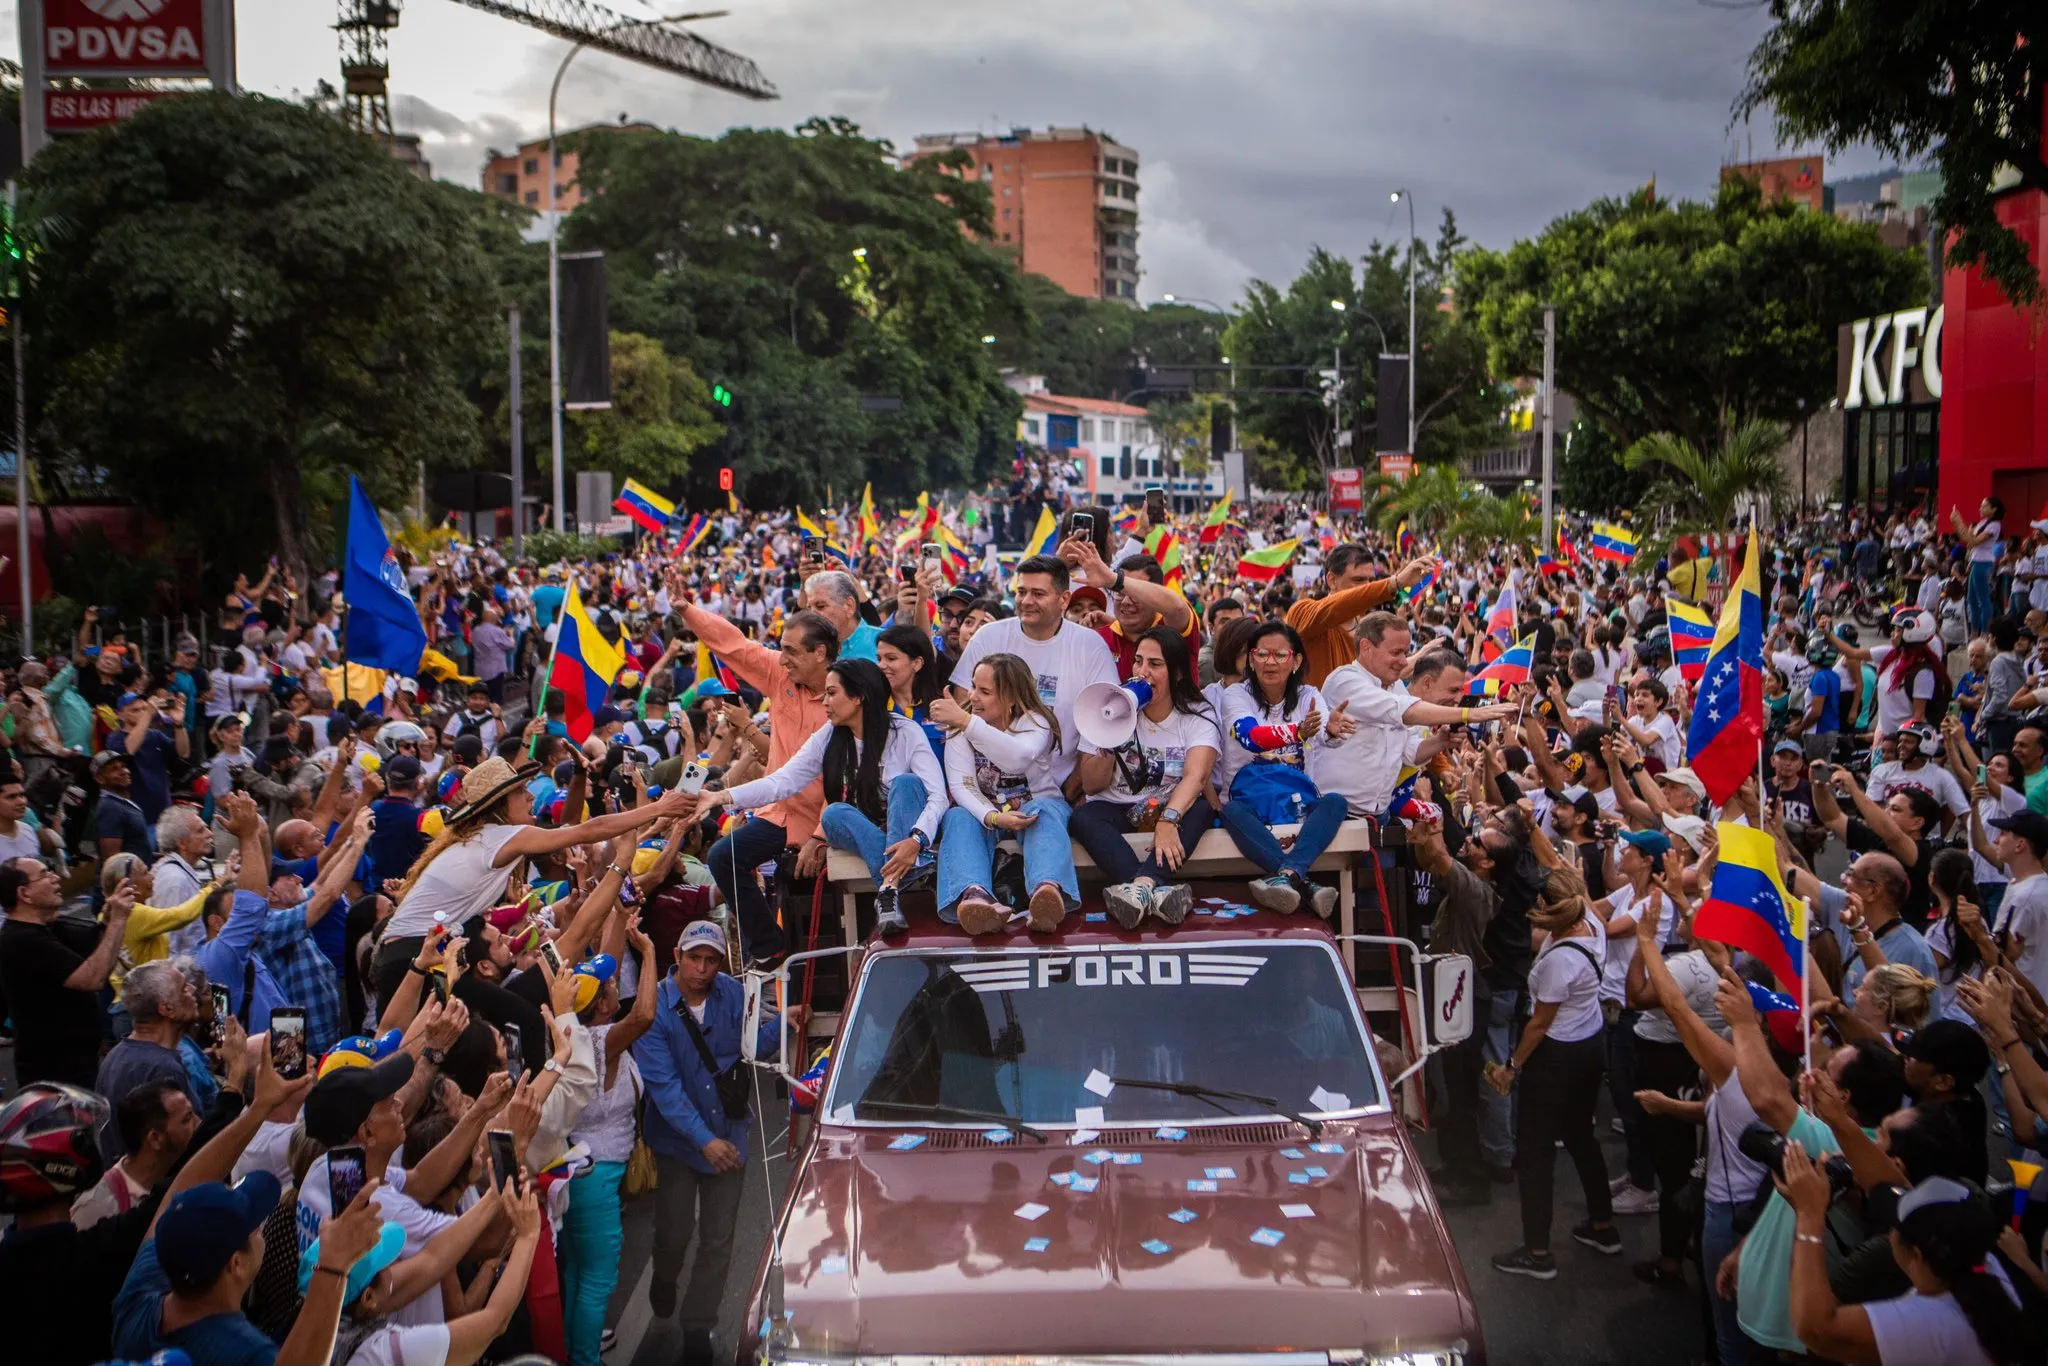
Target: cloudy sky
1264	127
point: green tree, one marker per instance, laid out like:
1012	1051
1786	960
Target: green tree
661	414
1489	519
1431	500
1684	317
1913	77
1707	488
805	271
238	302
1590	475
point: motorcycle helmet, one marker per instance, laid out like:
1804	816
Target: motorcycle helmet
1656	644
1820	651
1914	626
1921	734
49	1146
397	733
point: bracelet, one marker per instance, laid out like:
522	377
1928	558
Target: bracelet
2001	1047
330	1270
1813	1238
415	967
622	872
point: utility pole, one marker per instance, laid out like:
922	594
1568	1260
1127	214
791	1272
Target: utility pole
1549	407
16	325
518	444
1337	405
1414	352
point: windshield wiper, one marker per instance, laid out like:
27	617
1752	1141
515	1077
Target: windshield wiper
911	1107
1214	1095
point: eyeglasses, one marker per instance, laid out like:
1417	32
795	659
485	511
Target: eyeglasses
1272	656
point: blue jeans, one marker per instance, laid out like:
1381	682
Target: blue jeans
591	1237
1256	841
1978	603
1101	825
732	861
1497	1111
846	828
1717	1240
967	852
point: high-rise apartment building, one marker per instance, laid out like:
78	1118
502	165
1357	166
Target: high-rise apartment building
1066	203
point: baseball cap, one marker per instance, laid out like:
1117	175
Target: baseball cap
1788	747
1951	1048
128	699
1650	842
1691	829
386	1250
202	1228
1686	779
105	757
959	593
701	934
340	1101
711	687
608	715
2029	824
404	769
1088	592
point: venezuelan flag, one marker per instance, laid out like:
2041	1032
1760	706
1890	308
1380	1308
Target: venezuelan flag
1512	667
644	506
1749	907
1692	636
1404	539
1613	542
583	667
1422	585
1218	518
1263	566
1566	547
1546	565
1500	624
1045	537
1727	730
808	527
1126	522
837	553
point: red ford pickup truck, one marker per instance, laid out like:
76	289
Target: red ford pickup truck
1112	1146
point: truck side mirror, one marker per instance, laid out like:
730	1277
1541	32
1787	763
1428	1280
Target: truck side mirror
1448	1019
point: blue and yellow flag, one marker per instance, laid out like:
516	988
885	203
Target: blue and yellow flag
584	665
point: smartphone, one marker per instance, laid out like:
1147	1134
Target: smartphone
1820	768
551	953
504	1157
693	777
1084	525
347	1170
907	573
437	982
1983	774
515	1054
288	1041
931	553
222	1008
629	893
1155	505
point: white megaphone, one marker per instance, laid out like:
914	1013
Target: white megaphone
1106	714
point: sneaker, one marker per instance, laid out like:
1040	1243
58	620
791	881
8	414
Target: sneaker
1618	1184
979	914
1172	902
1523	1262
1126	902
1323	901
607	1340
923	871
889	921
1604	1240
1636	1200
1275	894
1654	1272
697	1349
1048	908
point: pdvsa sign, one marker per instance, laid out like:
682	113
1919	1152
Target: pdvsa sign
1892	359
124	37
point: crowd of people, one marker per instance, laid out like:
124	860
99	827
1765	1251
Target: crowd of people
346	1006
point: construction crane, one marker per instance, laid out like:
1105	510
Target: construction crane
365	27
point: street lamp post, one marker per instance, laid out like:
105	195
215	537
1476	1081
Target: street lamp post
554	232
1414	352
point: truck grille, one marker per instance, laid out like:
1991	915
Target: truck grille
1239	1135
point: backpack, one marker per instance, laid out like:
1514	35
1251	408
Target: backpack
466	724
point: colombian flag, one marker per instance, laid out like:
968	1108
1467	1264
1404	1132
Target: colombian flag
1263	566
584	665
1692	636
870	528
1566	548
1218	518
1613	542
1045	537
644	506
809	527
1749	907
1728	716
1512	667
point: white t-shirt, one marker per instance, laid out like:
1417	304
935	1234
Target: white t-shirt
905	750
460	881
1916	1329
1564	975
1665	749
1239	700
1931	778
1161	759
2024	912
1986	551
269	1151
419	1222
424	1345
1895	703
1621	945
1732	1179
990	770
24	844
1062	666
1698	981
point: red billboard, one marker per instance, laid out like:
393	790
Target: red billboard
81	111
1347	492
124	37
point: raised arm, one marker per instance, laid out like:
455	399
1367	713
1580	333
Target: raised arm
92	974
1765	1087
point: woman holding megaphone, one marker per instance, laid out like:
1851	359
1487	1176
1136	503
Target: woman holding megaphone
1152	778
999	765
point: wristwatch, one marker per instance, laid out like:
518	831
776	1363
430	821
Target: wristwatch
1116	585
924	841
1170	816
553	1065
432	1056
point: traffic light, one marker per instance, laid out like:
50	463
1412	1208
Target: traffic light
725	479
722	396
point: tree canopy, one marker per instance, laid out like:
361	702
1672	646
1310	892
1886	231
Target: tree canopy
1686	318
236	301
805	271
1963	83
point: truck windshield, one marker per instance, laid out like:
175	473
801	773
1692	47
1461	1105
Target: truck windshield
1035	1035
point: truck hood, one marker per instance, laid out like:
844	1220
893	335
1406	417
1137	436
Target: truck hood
925	1251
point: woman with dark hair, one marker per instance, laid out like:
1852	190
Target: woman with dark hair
1269	720
1155	781
1982	542
1962	1311
910	665
1961	938
884	791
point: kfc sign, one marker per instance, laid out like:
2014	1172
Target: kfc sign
1889	360
124	37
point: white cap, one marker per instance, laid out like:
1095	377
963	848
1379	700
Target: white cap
701	934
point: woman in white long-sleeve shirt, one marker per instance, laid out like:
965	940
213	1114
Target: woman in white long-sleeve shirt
999	766
876	767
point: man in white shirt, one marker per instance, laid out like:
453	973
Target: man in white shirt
1364	764
2021	843
1064	656
1913	746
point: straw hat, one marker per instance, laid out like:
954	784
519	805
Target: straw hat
488	784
